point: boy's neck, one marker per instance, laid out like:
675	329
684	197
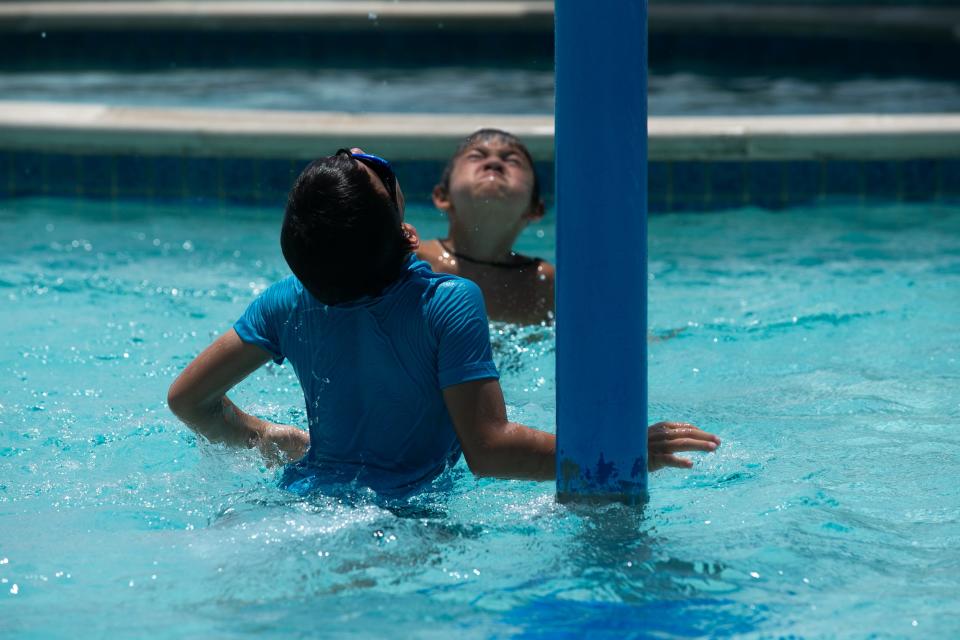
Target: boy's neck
489	243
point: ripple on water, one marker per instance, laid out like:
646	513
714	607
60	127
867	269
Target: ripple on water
830	489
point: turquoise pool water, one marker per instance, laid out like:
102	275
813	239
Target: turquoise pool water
820	343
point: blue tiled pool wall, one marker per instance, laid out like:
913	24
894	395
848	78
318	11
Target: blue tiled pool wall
673	186
707	186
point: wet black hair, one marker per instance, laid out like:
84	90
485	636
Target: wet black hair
341	237
488	135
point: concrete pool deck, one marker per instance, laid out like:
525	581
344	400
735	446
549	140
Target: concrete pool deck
864	21
46	127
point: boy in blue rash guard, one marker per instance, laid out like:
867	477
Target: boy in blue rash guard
394	360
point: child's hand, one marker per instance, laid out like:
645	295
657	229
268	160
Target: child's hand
280	444
664	439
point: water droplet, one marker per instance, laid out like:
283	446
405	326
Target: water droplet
754	574
16	589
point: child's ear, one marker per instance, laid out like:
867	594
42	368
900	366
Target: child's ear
535	212
411	235
441	199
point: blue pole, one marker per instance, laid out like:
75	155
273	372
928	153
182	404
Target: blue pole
601	161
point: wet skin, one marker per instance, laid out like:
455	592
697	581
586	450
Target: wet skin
488	204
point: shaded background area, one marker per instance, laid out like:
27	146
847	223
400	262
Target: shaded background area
706	58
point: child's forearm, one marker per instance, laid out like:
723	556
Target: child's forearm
517	452
225	422
222	421
198	397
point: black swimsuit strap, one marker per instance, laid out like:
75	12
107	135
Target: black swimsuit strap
529	262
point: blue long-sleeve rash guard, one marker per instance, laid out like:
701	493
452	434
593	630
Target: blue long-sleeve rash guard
373	371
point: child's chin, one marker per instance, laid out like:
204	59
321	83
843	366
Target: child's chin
499	190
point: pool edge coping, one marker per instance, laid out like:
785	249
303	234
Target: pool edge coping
103	129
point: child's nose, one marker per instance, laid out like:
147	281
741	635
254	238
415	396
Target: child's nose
493	163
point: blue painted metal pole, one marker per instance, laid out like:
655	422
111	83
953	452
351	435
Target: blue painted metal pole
601	161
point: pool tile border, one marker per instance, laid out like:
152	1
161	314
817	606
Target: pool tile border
238	156
693	185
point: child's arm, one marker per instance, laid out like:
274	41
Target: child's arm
494	446
198	397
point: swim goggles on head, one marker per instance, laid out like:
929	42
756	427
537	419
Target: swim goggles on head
380	167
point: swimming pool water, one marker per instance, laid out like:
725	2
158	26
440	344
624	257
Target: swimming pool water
820	343
476	90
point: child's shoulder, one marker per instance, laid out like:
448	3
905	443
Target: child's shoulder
433	254
287	288
546	270
282	295
446	285
448	293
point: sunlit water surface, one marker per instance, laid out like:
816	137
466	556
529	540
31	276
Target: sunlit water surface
820	343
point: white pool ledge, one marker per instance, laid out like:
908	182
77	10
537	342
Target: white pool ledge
95	129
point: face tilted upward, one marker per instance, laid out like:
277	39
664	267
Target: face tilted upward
492	174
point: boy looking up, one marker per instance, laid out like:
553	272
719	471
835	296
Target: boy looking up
490	193
394	360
